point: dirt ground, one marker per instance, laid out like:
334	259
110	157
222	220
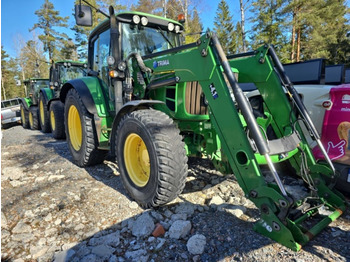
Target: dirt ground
52	210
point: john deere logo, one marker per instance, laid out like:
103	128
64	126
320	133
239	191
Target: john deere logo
160	63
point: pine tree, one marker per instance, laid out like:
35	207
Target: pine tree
32	61
326	33
149	6
224	28
194	29
268	26
49	19
319	30
9	75
82	32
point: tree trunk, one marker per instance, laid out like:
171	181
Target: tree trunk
298	44
164	7
292	56
3	88
243	26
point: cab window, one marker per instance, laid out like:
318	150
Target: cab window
101	52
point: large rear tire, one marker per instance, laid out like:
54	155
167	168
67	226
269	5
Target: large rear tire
44	114
151	157
80	132
56	113
34	118
24	117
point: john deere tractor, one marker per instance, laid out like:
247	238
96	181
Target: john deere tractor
51	109
29	105
152	102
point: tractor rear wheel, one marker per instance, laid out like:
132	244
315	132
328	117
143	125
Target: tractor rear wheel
151	157
44	114
56	113
80	132
24	117
34	118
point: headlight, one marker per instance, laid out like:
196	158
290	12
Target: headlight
121	66
144	21
177	29
110	60
171	27
136	19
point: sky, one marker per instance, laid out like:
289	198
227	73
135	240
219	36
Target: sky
18	16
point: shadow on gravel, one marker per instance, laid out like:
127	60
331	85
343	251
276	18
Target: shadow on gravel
227	237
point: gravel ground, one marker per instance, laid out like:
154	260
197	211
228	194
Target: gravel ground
52	210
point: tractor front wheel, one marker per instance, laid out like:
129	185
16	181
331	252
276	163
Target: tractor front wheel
24	117
34	118
44	114
56	113
151	157
80	132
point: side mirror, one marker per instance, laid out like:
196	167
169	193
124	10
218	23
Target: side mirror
83	15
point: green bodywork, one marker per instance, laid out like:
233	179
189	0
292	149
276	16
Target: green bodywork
222	134
34	85
104	107
60	73
199	99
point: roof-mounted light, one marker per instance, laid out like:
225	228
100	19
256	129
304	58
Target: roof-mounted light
144	21
171	27
181	18
177	29
136	19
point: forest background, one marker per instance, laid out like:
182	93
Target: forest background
299	29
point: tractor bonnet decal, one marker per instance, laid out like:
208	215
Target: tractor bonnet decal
160	63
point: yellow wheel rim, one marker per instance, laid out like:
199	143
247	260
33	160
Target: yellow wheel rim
31	121
41	108
74	128
53	121
23	116
137	160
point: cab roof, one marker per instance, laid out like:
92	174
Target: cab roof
153	20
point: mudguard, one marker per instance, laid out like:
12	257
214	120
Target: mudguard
47	93
127	108
90	90
50	102
26	102
94	95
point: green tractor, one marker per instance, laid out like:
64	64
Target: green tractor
51	109
29	105
152	102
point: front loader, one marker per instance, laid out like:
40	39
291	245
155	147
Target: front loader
153	102
50	107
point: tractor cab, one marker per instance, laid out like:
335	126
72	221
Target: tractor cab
118	42
63	71
33	86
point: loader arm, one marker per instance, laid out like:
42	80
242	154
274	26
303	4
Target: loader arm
242	139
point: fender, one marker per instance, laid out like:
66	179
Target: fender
127	108
48	94
26	102
84	88
50	102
